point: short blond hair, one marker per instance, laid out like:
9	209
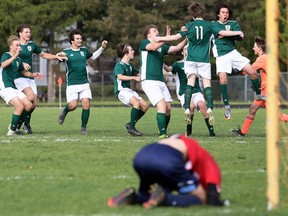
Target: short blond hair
11	39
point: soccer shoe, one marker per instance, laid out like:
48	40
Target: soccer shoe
260	97
11	132
187	116
126	197
157	197
212	134
237	132
211	117
62	117
163	136
83	131
127	126
227	113
27	128
134	132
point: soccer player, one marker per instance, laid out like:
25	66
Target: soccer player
123	73
151	60
12	65
181	158
197	100
226	32
197	63
78	87
261	65
27	84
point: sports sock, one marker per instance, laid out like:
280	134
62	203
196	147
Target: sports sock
187	97
85	117
256	85
247	123
189	126
25	116
208	92
283	117
182	200
161	122
29	116
210	127
133	117
224	93
66	108
167	121
140	114
14	122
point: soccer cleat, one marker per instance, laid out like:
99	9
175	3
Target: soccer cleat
83	131
187	116
157	197
62	117
237	132
163	136
11	132
126	197
134	132
27	128
227	113
19	132
127	126
212	134
211	117
260	97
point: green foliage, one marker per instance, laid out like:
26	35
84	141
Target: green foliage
57	171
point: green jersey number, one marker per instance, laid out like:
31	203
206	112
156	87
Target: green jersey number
199	32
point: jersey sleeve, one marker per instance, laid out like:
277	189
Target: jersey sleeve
88	54
174	67
259	64
4	57
118	70
143	44
37	49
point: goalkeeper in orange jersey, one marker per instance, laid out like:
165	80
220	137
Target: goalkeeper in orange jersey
259	64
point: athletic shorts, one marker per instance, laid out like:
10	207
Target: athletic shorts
197	68
9	93
162	164
156	91
78	92
196	97
126	94
22	83
231	60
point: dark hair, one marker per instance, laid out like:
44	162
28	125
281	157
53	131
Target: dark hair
122	49
147	29
219	7
21	27
196	10
72	33
260	42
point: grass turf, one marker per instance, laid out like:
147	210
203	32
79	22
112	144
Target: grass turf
58	171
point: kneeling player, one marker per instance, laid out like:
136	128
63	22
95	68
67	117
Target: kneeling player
181	158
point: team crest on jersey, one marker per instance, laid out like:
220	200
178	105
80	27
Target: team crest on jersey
159	49
81	53
227	27
29	48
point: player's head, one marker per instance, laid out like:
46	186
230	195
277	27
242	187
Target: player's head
223	12
24	31
196	10
13	42
123	49
259	45
151	30
75	35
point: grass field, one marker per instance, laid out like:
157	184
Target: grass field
56	171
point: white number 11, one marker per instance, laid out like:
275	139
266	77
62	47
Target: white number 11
199	32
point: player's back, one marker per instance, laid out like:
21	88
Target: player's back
199	40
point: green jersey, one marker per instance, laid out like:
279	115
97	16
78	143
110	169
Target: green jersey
223	45
178	69
26	54
10	72
152	61
76	72
199	35
124	69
